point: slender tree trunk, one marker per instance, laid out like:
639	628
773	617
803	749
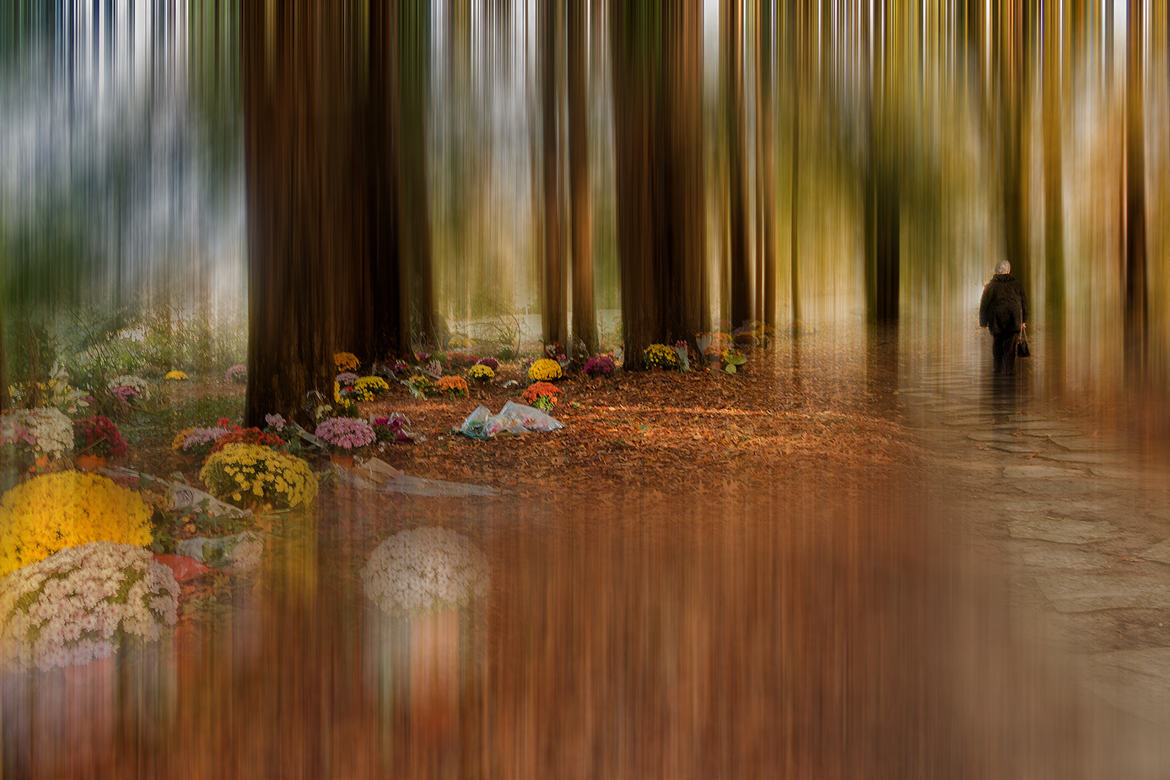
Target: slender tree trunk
1014	71
584	316
414	204
555	311
304	234
795	30
883	213
1136	306
767	165
1053	178
731	56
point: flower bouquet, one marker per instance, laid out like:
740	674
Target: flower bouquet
346	437
542	395
392	429
100	440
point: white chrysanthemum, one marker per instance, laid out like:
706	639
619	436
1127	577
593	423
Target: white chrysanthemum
425	570
71	607
52	429
140	385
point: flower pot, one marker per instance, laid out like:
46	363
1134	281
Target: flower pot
91	462
341	459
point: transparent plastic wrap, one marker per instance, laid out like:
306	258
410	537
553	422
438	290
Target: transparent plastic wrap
513	418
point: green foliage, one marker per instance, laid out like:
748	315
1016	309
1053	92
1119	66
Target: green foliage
158	421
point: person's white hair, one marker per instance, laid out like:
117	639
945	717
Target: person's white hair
1003	267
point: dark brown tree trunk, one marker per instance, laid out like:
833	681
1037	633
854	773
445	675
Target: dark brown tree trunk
883	213
1014	71
1053	178
584	317
657	83
1136	306
795	27
731	64
766	164
555	288
413	204
305	236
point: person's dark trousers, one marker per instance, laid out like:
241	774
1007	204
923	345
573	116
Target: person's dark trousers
1003	351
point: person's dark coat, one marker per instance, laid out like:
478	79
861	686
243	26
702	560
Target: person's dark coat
1003	308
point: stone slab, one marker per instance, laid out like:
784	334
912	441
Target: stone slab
1061	531
1091	592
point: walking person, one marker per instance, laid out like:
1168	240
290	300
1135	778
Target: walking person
1003	310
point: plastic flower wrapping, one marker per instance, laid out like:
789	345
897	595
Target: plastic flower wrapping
599	365
251	475
176	376
425	570
137	383
481	373
346	361
542	395
544	370
393	429
50	429
54	511
98	435
453	386
345	433
76	605
659	356
237	373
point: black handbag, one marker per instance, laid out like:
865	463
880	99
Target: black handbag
1022	344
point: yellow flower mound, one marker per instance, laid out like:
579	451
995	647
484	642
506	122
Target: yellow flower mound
371	386
544	370
481	373
176	376
251	475
346	361
659	356
49	513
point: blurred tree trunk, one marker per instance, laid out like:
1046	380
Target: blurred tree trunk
1136	306
795	31
657	89
1053	178
1014	62
883	212
731	67
554	306
584	317
766	169
305	237
414	227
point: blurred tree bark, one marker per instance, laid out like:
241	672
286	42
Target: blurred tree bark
305	238
883	212
584	317
1013	20
1053	176
554	307
731	72
795	31
657	56
765	170
1136	306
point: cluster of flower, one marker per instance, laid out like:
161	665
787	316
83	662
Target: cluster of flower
425	570
660	356
346	379
54	511
199	441
74	606
454	386
50	430
481	373
237	373
542	395
345	434
238	435
346	361
599	365
490	362
98	435
248	474
544	370
392	429
176	376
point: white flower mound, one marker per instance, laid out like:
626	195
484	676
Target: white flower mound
73	606
52	429
425	570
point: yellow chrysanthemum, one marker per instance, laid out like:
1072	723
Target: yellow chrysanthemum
240	470
544	370
346	361
176	376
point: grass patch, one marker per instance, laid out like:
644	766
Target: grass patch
155	427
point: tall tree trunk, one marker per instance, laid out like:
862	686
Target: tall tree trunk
731	63
766	166
1136	306
584	317
1053	179
1014	71
657	83
795	31
554	309
414	35
305	235
883	213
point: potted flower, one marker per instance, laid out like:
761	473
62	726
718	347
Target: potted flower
481	374
545	370
660	356
542	395
599	365
453	386
98	440
346	437
346	361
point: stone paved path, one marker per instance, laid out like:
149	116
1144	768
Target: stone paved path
1079	518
